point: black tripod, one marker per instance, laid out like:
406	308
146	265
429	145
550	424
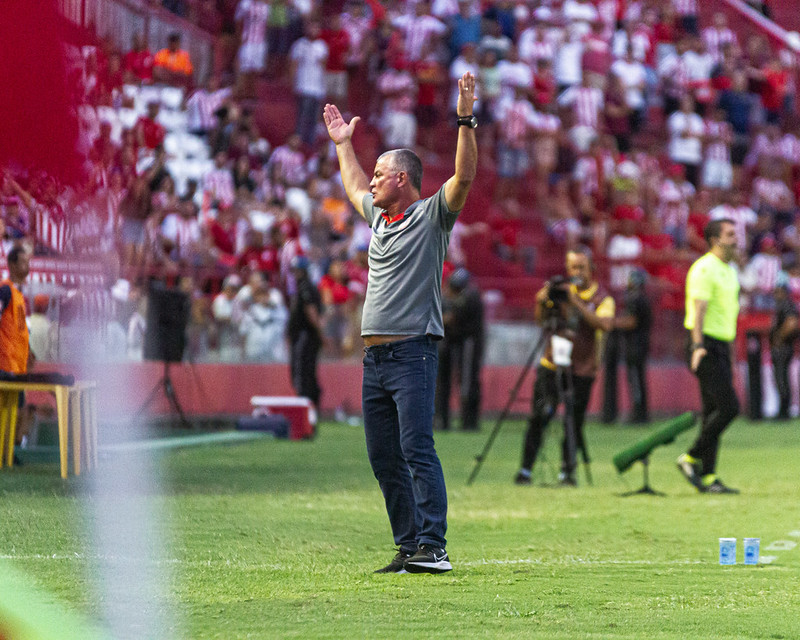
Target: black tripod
566	397
165	384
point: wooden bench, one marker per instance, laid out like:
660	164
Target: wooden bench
76	408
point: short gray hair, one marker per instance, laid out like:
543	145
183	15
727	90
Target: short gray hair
408	161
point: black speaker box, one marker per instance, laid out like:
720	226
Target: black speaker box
167	316
277	425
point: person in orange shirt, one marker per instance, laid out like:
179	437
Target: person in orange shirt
15	354
172	64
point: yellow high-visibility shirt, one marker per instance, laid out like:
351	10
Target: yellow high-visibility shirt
716	282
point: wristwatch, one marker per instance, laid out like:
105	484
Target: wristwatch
698	345
467	121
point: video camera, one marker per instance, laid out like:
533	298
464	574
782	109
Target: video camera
558	289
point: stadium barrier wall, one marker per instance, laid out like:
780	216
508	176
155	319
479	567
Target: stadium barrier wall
225	389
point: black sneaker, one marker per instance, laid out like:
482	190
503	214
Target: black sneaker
690	470
718	487
396	565
521	478
428	559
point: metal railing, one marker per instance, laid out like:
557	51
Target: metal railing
119	20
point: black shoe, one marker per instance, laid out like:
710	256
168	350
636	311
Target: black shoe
718	487
396	565
565	480
690	470
428	559
17	461
521	478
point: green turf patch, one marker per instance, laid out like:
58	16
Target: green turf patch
278	539
26	613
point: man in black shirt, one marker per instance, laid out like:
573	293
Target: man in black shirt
305	333
631	333
635	324
782	335
461	351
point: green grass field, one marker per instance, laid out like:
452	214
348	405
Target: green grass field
278	539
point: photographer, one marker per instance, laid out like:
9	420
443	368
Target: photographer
577	309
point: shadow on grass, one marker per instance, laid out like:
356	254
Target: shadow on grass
328	464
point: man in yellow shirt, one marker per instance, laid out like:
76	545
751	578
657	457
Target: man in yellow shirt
712	309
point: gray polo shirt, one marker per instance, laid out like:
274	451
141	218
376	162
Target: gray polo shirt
404	291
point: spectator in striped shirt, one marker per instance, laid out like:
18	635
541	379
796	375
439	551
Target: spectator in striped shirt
534	44
399	89
761	274
202	105
717	168
218	183
308	57
251	17
182	232
287	164
50	227
673	203
674	75
718	35
586	102
772	198
421	30
516	120
634	78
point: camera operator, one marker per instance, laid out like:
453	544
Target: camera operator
578	309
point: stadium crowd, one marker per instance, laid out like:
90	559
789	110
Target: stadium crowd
622	124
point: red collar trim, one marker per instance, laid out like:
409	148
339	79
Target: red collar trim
389	220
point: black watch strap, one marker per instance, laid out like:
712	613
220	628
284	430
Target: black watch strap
467	121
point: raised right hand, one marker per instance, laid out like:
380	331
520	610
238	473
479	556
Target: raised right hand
338	129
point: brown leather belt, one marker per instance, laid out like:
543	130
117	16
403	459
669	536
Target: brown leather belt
371	341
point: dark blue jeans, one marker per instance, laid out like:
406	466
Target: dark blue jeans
398	392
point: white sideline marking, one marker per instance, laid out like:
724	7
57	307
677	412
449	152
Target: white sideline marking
474	563
573	560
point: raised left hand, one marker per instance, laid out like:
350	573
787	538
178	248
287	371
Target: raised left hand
466	95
